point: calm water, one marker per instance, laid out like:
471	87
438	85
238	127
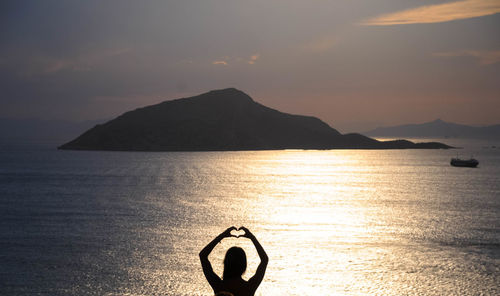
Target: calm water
345	222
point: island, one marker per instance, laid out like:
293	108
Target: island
222	120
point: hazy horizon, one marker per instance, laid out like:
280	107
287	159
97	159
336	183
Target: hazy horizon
343	128
355	65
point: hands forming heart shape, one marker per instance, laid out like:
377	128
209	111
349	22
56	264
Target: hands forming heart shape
238	232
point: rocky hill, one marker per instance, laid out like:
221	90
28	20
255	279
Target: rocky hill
221	120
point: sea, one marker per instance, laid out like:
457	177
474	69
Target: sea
333	222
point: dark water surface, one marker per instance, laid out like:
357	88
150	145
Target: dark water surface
341	222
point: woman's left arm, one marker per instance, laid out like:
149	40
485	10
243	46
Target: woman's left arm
264	260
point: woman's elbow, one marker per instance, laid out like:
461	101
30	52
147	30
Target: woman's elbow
264	259
202	255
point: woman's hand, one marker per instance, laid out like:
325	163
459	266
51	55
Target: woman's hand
227	232
247	234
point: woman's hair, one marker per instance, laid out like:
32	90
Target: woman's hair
235	263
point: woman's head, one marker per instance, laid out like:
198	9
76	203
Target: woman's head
235	263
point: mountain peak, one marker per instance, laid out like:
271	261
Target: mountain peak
228	90
219	120
227	94
224	119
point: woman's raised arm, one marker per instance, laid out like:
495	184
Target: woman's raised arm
212	278
261	269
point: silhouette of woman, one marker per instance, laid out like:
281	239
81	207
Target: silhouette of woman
235	264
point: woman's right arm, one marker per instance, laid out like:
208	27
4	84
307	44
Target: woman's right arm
261	269
212	278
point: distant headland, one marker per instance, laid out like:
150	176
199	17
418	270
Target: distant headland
437	129
223	120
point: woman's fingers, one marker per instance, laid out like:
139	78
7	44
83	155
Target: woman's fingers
247	232
227	232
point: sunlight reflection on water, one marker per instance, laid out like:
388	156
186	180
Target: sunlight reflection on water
332	222
345	222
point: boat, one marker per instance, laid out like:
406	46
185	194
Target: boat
470	163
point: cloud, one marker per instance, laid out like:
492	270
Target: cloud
226	60
438	13
321	45
484	57
253	58
47	65
82	62
224	63
56	65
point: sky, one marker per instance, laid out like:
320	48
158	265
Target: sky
355	64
